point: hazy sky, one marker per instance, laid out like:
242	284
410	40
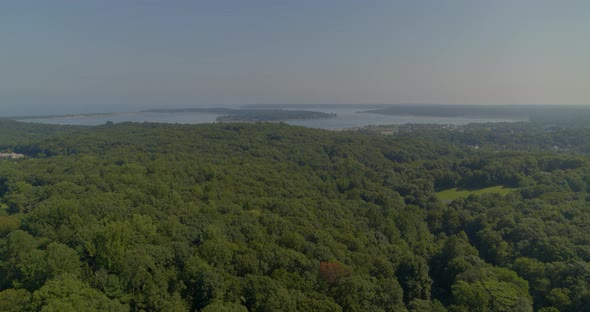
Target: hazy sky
77	56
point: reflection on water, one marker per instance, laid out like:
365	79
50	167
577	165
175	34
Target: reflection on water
346	118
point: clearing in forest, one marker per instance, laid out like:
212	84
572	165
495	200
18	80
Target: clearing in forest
454	193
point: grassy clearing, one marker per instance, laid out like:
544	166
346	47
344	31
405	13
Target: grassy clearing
454	193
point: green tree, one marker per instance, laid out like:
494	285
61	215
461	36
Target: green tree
68	294
14	300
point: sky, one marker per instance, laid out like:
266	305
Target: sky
72	56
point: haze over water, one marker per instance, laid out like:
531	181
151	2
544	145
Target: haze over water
346	118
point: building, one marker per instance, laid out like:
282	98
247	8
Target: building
11	155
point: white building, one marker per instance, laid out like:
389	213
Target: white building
11	155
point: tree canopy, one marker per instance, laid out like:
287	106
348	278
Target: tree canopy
271	217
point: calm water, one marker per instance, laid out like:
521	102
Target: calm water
347	118
94	120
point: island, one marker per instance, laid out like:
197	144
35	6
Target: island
252	115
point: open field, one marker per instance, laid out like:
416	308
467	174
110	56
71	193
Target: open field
454	193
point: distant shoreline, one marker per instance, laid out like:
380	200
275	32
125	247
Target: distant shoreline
340	116
64	116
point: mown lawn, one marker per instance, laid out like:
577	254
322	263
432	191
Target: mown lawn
454	193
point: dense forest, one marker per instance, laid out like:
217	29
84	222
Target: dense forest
271	217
